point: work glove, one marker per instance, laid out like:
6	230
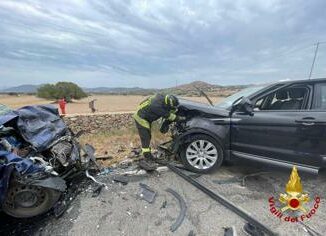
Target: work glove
165	126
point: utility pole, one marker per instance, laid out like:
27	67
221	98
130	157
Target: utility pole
313	61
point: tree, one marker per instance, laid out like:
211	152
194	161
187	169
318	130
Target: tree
59	90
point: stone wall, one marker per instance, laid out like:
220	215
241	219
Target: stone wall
95	123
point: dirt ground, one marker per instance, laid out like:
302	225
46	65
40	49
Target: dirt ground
104	103
114	147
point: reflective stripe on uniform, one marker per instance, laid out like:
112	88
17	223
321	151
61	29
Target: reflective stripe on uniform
141	121
172	117
144	150
166	99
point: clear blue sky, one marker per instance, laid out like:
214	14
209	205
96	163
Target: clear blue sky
152	43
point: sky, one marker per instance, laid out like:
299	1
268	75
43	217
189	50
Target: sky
154	44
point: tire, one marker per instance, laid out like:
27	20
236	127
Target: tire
24	201
201	154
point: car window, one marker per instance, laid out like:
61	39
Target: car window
290	98
227	102
320	97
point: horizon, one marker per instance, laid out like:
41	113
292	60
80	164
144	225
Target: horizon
4	88
154	44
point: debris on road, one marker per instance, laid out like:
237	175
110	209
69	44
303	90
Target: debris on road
164	204
183	209
96	181
105	171
121	179
309	230
191	233
252	230
148	166
146	193
230	231
219	198
97	191
59	208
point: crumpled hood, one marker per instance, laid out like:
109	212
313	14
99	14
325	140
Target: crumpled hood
187	105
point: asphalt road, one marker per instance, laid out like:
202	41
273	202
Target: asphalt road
119	210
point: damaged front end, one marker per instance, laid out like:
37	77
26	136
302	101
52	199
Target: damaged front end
38	154
200	119
200	140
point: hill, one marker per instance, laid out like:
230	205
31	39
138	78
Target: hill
120	90
190	89
26	88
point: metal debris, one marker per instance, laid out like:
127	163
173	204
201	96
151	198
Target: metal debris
59	208
191	233
309	230
105	171
164	204
146	193
97	191
230	231
183	209
92	178
121	179
252	230
224	201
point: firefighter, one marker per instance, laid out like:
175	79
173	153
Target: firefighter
153	108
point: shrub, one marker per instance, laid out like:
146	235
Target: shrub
59	90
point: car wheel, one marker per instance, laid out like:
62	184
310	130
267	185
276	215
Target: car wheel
25	201
201	154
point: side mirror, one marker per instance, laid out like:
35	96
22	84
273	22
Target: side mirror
243	105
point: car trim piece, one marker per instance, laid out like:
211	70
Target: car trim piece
183	209
265	160
226	119
224	201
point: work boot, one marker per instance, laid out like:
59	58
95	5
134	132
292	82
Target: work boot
148	163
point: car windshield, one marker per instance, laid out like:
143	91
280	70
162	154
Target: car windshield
227	102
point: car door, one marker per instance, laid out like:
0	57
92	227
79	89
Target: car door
280	129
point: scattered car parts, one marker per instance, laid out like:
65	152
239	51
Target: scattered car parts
183	209
219	198
252	230
121	179
230	231
146	193
97	191
309	230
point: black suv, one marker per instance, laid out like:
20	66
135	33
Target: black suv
282	124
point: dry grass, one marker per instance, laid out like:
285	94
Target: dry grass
104	103
118	144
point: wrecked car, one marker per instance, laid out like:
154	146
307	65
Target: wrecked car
38	153
282	124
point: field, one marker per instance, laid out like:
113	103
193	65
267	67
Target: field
116	144
104	103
